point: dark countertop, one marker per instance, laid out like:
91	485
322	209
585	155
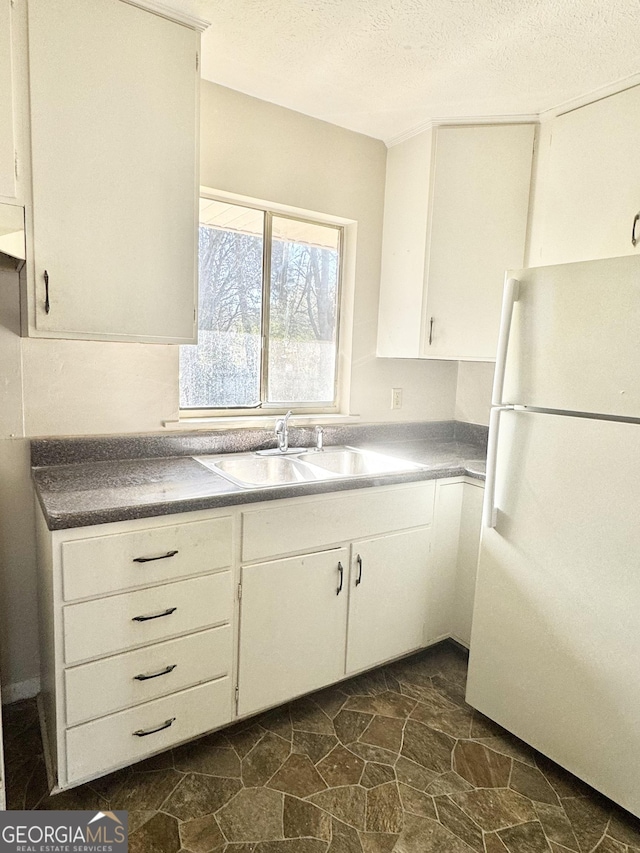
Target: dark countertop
86	493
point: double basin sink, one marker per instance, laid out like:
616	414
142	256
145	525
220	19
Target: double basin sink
301	465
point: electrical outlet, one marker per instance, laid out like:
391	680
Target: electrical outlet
396	398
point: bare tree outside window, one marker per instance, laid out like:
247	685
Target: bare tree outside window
295	311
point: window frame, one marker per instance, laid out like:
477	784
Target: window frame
265	408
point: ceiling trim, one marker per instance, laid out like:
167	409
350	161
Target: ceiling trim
524	118
165	10
591	97
544	115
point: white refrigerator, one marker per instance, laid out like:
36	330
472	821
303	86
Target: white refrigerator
555	644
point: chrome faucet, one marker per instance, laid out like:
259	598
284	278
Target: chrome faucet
282	432
319	438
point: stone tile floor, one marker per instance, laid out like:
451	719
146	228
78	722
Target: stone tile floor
390	761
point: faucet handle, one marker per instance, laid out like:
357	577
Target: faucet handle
319	437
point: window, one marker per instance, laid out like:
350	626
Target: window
269	296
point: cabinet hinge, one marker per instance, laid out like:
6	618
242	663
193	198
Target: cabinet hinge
15	164
197	60
239	591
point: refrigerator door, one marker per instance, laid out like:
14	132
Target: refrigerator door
575	338
555	643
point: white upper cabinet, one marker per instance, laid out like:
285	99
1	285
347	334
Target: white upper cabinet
589	182
456	209
7	112
114	112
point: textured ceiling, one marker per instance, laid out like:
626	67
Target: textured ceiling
383	67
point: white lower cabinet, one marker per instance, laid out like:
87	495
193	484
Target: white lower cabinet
117	623
292	627
310	620
133	734
112	684
388	597
141	658
442	580
456	542
144	644
304	525
99	565
467	561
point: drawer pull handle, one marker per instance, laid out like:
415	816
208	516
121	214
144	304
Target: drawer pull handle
166	671
151	559
634	239
155	615
341	576
359	562
166	725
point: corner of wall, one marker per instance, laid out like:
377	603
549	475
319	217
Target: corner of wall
473	391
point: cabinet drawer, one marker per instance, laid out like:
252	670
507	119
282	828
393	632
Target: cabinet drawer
105	564
97	747
120	622
312	523
110	685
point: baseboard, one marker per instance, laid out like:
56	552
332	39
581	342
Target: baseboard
20	690
51	775
463	644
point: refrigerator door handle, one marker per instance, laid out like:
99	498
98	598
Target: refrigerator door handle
489	511
511	294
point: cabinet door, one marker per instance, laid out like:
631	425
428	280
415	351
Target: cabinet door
113	122
592	182
293	622
388	597
7	141
479	206
404	242
468	548
444	559
455	218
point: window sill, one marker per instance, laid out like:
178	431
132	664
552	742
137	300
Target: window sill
256	421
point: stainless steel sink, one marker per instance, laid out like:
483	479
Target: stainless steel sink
352	462
254	470
249	469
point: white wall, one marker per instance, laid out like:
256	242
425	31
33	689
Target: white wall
263	151
473	391
50	387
